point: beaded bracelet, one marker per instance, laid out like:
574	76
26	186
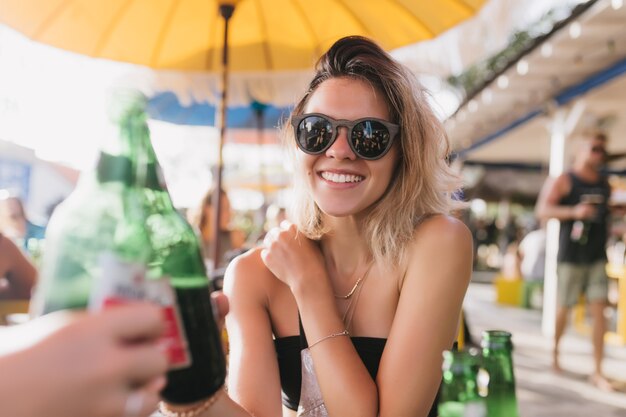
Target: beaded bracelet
190	412
330	336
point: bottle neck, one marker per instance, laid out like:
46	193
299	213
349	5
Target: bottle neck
115	168
497	340
122	156
129	158
154	183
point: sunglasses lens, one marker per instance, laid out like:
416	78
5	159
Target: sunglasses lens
598	149
370	139
313	134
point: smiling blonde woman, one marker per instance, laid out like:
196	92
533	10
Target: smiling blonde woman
346	311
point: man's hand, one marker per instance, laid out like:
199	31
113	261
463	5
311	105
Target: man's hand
584	211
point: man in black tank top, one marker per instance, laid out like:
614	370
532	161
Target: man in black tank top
579	199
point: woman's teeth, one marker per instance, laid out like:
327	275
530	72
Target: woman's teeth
341	178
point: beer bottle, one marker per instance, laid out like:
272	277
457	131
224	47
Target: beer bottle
118	237
497	350
177	255
458	396
580	232
99	229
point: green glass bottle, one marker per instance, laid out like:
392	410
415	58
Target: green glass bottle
118	237
177	256
458	395
497	350
100	223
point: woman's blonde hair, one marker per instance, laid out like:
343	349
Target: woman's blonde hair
422	185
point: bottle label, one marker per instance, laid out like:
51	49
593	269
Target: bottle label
119	282
578	228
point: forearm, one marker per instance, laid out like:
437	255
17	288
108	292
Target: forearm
556	212
16	386
346	385
335	360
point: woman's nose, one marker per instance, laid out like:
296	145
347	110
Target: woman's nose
341	149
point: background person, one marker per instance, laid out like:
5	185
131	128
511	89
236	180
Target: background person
14	223
202	218
17	274
579	200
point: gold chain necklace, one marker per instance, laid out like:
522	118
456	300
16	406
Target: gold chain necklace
356	285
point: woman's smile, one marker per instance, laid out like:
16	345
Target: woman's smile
341	177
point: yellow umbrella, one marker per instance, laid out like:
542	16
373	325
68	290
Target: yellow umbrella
265	35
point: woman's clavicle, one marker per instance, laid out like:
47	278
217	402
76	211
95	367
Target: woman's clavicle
372	313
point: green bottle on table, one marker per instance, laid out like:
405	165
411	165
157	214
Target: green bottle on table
497	350
458	395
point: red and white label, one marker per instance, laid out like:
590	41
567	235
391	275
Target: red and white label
119	282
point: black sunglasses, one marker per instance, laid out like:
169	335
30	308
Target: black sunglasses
599	149
369	138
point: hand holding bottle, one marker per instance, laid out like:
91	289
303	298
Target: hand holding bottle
584	211
221	306
84	364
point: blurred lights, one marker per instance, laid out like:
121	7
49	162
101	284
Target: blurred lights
522	67
546	50
503	81
487	96
478	207
617	4
575	30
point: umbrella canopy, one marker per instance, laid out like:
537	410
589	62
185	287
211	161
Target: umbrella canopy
264	35
213	36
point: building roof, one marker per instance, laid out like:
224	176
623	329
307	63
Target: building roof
584	57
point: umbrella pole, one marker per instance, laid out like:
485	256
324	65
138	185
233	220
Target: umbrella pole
259	111
226	11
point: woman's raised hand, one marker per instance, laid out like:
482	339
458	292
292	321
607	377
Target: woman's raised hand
292	257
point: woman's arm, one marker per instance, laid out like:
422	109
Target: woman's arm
345	383
427	317
253	376
21	273
552	192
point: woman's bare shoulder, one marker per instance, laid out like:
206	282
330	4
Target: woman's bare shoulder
440	243
442	228
247	274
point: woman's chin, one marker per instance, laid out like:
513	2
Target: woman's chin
339	211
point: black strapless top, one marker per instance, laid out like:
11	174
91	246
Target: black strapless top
370	349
